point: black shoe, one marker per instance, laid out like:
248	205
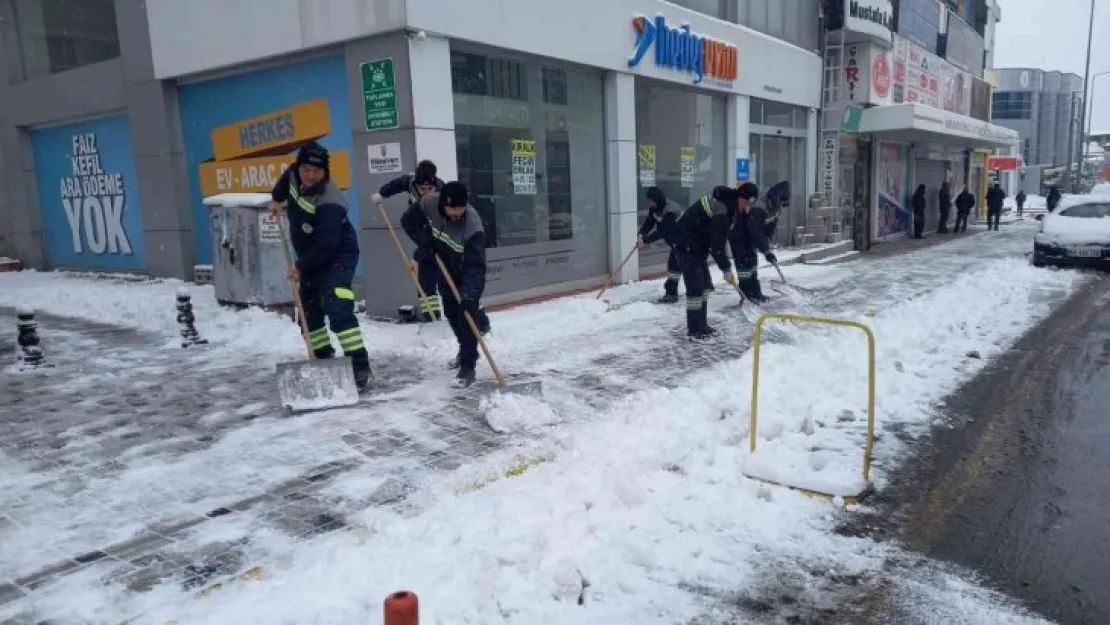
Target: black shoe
669	298
465	377
324	353
700	337
363	377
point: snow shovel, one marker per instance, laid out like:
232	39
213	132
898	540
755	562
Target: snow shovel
312	384
613	276
409	267
526	387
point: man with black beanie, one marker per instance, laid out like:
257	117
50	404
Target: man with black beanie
747	236
700	232
459	239
659	224
327	252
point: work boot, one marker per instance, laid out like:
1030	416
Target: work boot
701	336
324	353
363	377
669	298
465	377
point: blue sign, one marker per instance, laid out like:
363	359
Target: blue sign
206	106
89	195
684	50
743	169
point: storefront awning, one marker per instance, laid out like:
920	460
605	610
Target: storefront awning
919	123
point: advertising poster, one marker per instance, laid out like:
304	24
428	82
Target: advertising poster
89	195
524	166
686	166
384	158
957	89
242	131
917	73
645	156
892	213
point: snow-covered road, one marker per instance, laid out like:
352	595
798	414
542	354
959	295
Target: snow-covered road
137	473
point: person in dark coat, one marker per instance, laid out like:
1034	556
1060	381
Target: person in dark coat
944	204
746	237
659	224
917	203
1020	199
327	251
995	198
700	232
965	201
422	181
778	200
1053	199
459	239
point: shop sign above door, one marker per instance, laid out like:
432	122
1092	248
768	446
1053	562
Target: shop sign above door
874	18
684	50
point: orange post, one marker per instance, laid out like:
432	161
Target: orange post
402	608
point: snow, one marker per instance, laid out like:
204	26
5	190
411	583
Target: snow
604	512
1060	229
1102	188
238	199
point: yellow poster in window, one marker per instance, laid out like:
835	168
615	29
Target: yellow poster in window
645	155
524	166
686	166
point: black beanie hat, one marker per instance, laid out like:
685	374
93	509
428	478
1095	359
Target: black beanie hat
724	194
453	194
312	153
747	191
655	194
425	174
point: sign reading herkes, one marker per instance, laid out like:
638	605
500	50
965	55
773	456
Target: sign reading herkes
682	49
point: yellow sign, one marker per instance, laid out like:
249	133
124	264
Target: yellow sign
524	147
646	155
524	166
258	175
250	155
273	133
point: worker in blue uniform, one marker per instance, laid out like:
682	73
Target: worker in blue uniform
701	232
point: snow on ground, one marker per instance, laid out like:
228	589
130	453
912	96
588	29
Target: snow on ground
635	504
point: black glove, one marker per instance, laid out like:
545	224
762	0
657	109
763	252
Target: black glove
470	306
771	258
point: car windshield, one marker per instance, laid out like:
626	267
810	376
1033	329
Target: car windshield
1090	210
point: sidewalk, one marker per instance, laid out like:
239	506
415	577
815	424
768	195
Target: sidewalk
137	466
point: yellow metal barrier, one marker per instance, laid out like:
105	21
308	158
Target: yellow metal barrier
753	431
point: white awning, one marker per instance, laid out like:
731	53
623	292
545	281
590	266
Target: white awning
919	123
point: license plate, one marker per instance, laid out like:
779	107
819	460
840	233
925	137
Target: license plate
1085	252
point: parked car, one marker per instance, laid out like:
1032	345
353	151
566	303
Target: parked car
1077	233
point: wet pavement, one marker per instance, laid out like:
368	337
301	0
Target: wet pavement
1014	487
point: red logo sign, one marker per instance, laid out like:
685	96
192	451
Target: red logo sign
880	76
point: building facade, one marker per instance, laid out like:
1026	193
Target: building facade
1044	108
125	114
907	103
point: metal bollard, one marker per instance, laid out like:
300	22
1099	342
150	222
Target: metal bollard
402	608
185	317
30	351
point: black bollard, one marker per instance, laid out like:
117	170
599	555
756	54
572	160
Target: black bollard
30	351
185	317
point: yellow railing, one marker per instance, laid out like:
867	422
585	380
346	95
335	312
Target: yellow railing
752	433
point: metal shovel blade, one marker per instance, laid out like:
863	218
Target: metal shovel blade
317	384
513	386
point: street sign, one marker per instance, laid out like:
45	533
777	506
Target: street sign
743	169
379	94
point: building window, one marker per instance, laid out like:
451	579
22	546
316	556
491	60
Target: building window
919	21
720	9
680	148
59	35
778	145
530	143
1012	105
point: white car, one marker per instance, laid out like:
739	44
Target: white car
1076	233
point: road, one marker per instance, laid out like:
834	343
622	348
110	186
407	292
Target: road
1016	488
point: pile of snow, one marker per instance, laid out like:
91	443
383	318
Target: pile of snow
1102	188
647	500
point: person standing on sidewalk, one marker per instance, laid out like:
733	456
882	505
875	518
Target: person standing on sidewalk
659	224
965	201
701	232
995	198
748	236
1020	199
944	205
917	203
459	239
327	252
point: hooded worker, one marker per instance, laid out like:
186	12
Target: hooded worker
746	237
327	252
700	232
659	224
459	240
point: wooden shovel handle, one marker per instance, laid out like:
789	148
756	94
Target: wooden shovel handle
296	289
470	322
613	275
404	258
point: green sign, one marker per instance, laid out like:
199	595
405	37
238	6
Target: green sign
379	94
850	122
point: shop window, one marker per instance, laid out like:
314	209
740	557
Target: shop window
680	137
59	35
530	148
